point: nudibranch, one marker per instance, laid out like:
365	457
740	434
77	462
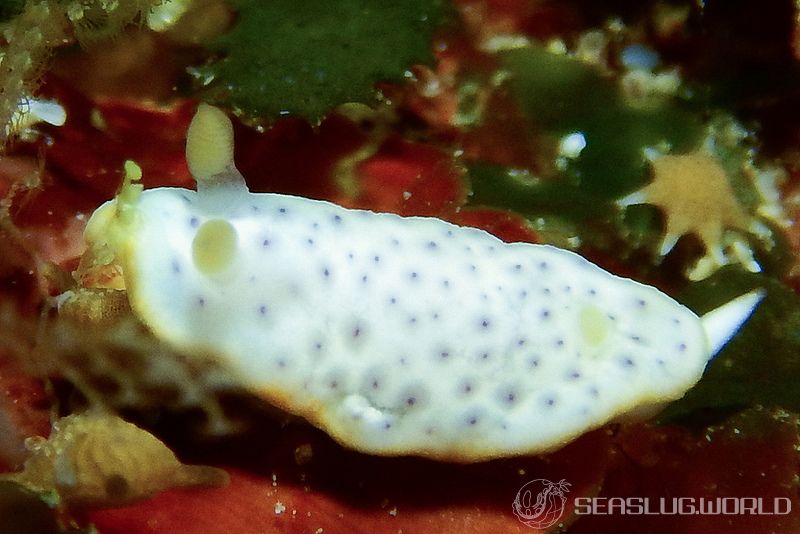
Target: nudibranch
396	335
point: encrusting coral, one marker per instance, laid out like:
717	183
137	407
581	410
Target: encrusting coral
95	459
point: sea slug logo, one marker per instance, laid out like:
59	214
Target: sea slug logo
540	503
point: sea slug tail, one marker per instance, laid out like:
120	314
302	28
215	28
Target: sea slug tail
722	323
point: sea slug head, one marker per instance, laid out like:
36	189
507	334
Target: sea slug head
209	155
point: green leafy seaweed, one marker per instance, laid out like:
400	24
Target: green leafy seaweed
761	365
561	95
304	57
493	185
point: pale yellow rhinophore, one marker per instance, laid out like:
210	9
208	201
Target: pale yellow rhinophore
209	143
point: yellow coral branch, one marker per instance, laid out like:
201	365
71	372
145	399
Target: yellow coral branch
30	37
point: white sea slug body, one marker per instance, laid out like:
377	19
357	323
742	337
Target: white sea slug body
398	335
